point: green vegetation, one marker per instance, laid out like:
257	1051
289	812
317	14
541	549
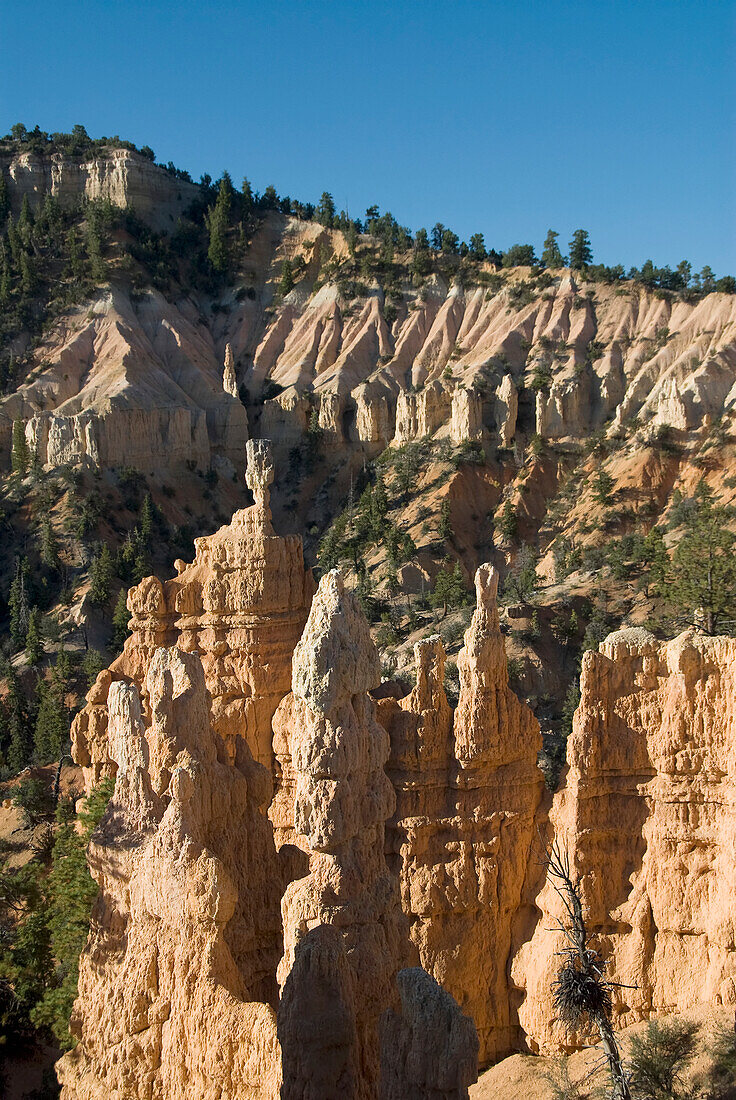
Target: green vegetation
44	919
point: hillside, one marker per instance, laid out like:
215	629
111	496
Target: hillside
435	409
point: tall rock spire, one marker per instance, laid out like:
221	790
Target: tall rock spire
344	935
229	379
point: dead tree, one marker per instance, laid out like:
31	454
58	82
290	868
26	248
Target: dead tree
581	990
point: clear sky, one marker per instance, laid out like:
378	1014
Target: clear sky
505	117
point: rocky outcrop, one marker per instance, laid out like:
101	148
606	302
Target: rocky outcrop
241	605
468	789
342	923
122	176
128	384
646	817
176	984
229	379
177	989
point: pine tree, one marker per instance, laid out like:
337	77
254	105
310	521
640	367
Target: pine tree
702	586
445	526
18	603
48	548
449	587
20	748
72	247
101	573
326	209
477	250
4	199
287	278
146	519
20	454
551	255
34	645
52	725
603	488
120	620
218	221
581	254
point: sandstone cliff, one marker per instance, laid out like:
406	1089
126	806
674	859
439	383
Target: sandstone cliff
646	814
177	994
241	604
120	175
467	789
176	988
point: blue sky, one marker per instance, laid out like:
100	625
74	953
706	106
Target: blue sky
498	117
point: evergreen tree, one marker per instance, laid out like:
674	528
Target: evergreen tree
34	645
72	247
93	241
28	279
581	254
703	582
4	199
449	588
326	209
551	255
120	620
352	238
477	250
52	725
71	893
20	739
100	576
603	488
707	280
47	546
18	603
508	523
146	519
218	221
522	581
287	278
247	192
445	526
20	456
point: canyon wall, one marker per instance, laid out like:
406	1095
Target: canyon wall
138	379
122	176
420	827
182	994
468	788
647	814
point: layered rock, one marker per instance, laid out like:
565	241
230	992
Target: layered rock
241	605
646	815
178	996
342	923
177	982
122	176
128	383
468	788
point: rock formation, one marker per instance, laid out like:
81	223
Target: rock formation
177	991
241	605
142	382
467	790
176	984
646	815
343	928
123	176
229	378
128	383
